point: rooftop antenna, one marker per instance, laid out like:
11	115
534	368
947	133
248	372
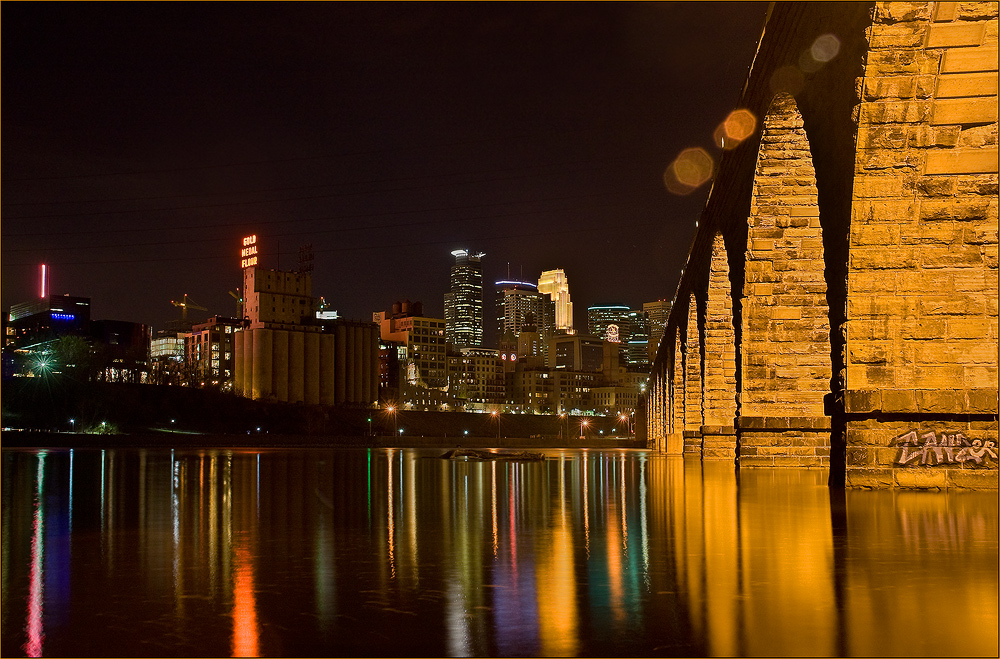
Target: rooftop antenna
43	290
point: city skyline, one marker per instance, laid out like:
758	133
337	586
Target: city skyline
143	141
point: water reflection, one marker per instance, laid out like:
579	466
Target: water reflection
389	552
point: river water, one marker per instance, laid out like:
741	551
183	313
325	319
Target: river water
383	552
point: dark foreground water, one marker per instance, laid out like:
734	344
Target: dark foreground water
397	552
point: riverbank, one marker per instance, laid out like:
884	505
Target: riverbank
41	440
111	414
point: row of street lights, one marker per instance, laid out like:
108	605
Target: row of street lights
584	423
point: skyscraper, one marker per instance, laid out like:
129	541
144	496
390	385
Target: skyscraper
463	304
555	284
519	303
638	341
658	313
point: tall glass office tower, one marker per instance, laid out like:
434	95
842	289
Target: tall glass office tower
463	304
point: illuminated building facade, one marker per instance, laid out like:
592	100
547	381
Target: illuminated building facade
209	351
578	352
611	323
555	284
479	379
421	341
46	319
167	352
657	312
463	304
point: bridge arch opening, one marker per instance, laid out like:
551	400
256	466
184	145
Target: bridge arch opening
785	339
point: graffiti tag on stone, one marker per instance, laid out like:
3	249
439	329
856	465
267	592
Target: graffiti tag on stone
951	448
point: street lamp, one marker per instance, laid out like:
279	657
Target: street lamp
583	425
391	409
496	414
628	426
72	425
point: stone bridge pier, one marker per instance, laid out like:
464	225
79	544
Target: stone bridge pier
839	304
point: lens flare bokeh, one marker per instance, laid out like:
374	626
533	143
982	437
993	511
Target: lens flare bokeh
691	169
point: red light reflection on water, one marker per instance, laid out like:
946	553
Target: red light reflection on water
34	628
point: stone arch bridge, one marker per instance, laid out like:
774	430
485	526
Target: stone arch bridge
839	303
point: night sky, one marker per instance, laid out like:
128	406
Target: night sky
140	142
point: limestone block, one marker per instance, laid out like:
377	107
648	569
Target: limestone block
967	60
901	112
983	184
936	187
897	12
961	161
981	401
973	479
978	136
945	11
969	328
879	376
897	36
951	256
878	159
923	479
938	376
891	210
956	34
926	328
972	11
964	111
898	401
880	259
871	282
875	235
966	84
936	233
869	478
931	305
944	401
963	209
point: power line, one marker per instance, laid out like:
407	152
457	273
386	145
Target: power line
408	243
109	200
204	226
249	163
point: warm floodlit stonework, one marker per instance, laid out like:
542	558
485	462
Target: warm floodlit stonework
843	281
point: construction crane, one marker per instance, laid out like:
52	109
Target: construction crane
239	301
185	304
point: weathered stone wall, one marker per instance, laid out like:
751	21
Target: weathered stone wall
693	414
922	286
719	433
675	442
786	338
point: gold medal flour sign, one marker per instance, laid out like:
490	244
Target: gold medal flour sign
248	255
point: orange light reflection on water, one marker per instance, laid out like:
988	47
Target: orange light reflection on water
246	635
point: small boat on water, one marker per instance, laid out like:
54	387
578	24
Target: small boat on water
490	454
